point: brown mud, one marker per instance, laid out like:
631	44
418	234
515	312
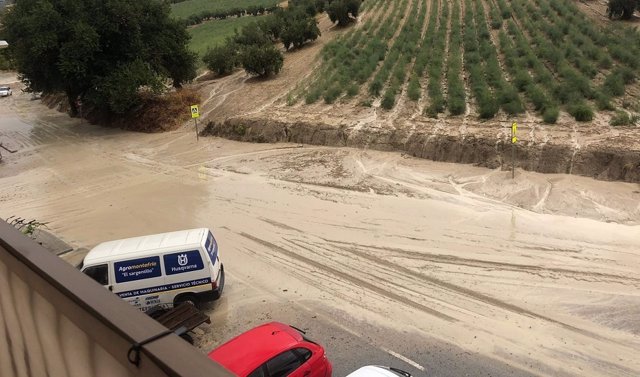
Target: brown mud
604	158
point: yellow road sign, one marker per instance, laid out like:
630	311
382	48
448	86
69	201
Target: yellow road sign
514	128
195	113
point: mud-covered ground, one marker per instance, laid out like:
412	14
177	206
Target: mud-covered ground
442	269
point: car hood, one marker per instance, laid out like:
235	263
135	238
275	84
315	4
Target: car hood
372	371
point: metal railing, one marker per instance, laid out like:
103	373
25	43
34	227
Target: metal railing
55	321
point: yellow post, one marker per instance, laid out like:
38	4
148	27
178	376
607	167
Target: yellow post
514	140
195	114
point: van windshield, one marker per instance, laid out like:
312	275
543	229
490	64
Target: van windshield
212	247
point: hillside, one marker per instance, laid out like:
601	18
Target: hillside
429	77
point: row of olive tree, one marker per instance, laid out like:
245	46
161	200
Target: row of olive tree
210	15
99	52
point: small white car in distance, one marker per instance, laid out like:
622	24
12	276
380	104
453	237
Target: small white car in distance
379	371
5	91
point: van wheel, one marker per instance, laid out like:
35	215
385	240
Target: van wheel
190	299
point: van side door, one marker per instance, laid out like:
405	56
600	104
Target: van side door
139	281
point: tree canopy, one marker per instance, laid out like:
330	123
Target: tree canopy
622	8
102	52
253	48
343	11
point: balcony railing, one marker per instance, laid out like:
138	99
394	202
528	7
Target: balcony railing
57	322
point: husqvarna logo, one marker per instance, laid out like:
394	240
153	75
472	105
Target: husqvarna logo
183	260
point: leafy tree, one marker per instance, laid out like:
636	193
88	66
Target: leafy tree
261	60
299	30
343	11
251	34
272	25
222	59
622	8
102	52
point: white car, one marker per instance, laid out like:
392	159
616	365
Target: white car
379	371
5	91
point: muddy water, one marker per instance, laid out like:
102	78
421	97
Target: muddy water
539	271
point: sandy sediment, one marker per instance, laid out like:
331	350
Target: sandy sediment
587	151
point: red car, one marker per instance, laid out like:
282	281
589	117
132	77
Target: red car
272	350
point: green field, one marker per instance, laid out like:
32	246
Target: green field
212	33
191	7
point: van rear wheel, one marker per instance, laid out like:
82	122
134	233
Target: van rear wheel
191	299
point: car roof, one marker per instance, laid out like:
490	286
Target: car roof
144	245
373	371
247	351
4	87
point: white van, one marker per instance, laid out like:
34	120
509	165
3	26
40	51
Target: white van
161	269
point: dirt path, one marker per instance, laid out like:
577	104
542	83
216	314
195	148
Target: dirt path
539	272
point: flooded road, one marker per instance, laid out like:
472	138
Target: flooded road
445	269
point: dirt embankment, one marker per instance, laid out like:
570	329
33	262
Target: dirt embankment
605	158
154	113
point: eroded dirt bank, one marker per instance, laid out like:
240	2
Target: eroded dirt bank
605	157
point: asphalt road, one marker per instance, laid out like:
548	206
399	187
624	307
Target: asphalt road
349	343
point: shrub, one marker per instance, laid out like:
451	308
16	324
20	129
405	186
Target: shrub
496	19
614	84
413	91
487	105
522	80
376	86
510	100
312	96
332	94
550	115
388	100
603	101
352	90
621	118
537	97
457	106
581	112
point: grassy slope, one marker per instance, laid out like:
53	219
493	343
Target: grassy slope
189	7
212	33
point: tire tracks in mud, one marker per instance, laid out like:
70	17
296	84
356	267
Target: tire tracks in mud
394	268
357	281
477	296
525	268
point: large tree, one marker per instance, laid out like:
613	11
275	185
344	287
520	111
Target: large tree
102	52
343	11
622	8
